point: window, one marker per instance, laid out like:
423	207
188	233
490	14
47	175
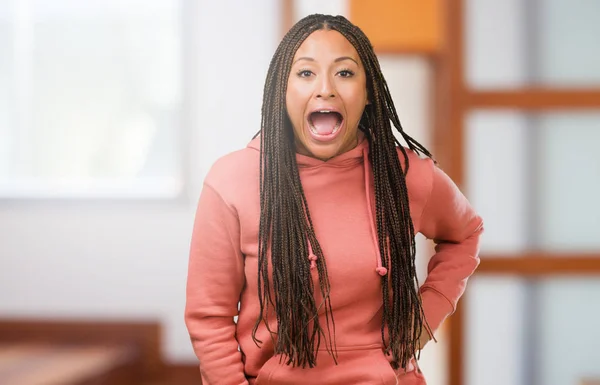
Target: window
525	114
90	98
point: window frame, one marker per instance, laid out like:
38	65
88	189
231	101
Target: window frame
461	101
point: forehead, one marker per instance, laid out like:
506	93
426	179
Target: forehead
326	44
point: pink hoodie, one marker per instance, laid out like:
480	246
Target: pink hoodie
340	194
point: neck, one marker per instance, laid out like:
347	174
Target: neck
302	150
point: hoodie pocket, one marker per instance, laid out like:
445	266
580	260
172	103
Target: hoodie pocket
267	370
357	366
412	376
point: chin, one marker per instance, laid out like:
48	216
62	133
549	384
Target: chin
325	152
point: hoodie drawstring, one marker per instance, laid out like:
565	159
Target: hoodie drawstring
311	256
364	149
379	269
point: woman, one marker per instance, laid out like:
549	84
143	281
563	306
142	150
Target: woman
311	230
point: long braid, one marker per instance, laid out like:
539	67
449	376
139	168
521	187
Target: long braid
286	227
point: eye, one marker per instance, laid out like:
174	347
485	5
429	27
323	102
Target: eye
304	73
346	73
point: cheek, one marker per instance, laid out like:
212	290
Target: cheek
355	103
352	91
293	102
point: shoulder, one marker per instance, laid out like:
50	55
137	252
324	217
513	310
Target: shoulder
420	169
419	179
234	172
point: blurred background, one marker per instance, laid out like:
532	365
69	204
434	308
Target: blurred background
112	111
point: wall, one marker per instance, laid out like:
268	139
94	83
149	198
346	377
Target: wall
128	259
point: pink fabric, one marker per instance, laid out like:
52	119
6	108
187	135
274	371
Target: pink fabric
223	266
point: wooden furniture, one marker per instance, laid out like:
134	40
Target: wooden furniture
80	353
43	364
590	381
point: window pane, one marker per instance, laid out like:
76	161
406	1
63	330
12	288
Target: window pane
569	53
535	179
102	99
6	76
569	334
538	332
517	43
495	331
569	181
496	150
494	44
409	79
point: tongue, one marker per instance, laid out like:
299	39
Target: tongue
324	123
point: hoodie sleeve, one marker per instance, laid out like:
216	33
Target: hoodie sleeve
214	284
450	221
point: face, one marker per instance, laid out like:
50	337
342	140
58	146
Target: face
326	95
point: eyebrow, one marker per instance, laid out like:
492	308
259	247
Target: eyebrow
339	59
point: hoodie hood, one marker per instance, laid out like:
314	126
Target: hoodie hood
356	157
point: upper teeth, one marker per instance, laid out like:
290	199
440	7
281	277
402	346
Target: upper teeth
324	111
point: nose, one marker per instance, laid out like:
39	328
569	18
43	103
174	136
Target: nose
326	88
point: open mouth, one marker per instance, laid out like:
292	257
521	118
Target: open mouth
325	124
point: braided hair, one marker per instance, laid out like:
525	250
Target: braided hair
286	228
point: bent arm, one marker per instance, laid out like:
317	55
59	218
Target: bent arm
455	227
